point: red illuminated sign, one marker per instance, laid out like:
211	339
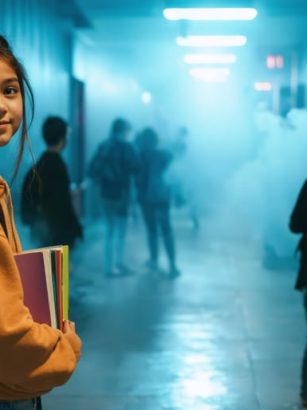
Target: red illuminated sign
275	62
279	62
270	62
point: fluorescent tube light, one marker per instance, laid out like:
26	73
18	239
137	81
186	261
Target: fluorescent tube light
210	58
210	75
211	41
210	14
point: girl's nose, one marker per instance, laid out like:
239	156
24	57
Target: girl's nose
3	107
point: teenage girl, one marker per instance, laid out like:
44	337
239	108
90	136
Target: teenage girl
34	358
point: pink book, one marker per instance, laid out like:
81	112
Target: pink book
32	272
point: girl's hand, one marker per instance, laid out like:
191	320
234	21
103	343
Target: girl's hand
69	327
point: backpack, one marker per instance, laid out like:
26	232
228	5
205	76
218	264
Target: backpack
107	165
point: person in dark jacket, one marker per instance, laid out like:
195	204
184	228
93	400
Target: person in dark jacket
112	168
298	225
155	197
46	198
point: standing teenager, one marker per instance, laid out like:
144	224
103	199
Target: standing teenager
47	203
155	199
34	358
112	168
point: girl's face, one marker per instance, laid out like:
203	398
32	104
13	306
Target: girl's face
10	103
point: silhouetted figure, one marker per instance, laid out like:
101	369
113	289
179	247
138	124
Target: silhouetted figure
46	198
184	193
180	144
298	224
112	167
154	197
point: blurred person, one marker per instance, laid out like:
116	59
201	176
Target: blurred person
179	150
155	198
298	225
180	143
112	168
34	358
46	197
183	183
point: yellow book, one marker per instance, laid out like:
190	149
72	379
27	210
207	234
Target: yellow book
65	282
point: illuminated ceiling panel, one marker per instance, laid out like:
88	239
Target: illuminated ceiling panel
103	8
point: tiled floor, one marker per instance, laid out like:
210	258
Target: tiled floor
227	335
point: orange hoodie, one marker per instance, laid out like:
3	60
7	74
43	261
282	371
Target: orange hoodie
34	358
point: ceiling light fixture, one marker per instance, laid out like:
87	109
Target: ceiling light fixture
210	75
210	58
231	14
146	97
211	41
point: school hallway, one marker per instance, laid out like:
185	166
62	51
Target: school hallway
227	335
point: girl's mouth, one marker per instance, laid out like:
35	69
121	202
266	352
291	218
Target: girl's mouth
3	126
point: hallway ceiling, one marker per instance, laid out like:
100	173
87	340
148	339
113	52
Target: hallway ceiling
135	34
143	8
124	22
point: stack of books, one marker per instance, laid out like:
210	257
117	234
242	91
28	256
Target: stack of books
45	279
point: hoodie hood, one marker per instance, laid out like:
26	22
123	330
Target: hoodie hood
7	216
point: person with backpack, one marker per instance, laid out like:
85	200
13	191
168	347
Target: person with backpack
112	168
46	204
154	194
298	225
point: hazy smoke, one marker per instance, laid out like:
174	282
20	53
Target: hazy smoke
260	196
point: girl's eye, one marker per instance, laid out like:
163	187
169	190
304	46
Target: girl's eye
11	90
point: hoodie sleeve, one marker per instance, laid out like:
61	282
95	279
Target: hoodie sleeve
298	219
34	358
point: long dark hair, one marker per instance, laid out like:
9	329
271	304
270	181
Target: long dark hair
7	55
